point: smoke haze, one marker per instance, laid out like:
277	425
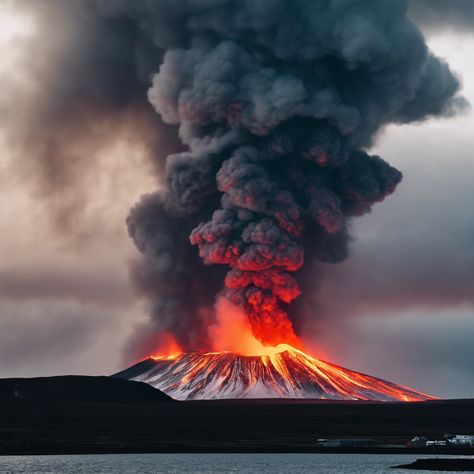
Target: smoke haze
434	15
82	114
275	123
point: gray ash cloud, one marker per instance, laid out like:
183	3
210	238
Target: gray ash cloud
276	104
270	108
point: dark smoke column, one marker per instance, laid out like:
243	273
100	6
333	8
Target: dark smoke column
276	103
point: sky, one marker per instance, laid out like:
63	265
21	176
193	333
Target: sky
401	307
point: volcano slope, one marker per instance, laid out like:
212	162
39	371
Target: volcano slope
283	373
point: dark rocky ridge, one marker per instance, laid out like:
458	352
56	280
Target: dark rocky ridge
78	388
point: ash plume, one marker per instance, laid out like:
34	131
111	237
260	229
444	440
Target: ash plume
276	104
269	108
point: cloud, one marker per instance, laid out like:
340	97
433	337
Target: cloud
431	351
435	15
101	287
73	91
40	338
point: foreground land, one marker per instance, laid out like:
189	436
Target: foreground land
31	427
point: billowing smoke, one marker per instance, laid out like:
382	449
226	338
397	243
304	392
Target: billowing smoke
276	103
76	86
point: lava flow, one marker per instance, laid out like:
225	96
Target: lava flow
282	372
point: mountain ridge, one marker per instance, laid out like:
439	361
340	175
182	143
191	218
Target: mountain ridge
78	388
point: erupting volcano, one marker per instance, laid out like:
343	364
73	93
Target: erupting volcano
277	105
254	370
283	372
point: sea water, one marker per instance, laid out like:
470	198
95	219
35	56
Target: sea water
209	463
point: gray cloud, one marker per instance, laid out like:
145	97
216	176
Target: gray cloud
78	86
85	285
431	351
434	15
46	338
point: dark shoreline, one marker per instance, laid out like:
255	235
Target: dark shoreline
439	464
226	426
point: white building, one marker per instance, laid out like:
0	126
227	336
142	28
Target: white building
461	440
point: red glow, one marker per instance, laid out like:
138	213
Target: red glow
233	332
238	351
281	371
168	347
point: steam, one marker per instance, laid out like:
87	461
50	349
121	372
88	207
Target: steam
276	103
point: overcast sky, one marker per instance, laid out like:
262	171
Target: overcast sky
401	307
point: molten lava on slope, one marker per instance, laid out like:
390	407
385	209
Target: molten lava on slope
284	372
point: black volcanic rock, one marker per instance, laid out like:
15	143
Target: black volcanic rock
78	388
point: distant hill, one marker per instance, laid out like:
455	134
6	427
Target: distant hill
78	388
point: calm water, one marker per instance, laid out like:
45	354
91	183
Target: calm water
207	463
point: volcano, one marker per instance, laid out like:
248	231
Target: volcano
284	372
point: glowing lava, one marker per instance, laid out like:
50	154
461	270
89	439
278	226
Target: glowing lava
233	332
168	347
281	372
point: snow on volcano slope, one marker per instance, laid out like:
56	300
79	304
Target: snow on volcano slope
285	373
